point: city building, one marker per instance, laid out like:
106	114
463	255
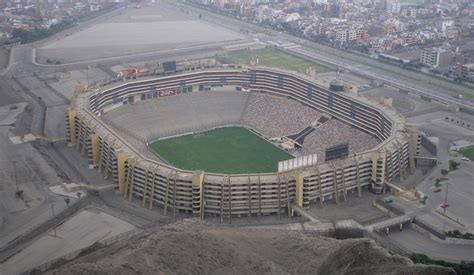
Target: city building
467	72
393	6
435	57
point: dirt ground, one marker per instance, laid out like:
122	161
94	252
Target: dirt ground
192	248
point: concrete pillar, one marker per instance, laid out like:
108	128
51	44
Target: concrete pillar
336	191
344	194
358	180
165	205
288	197
376	177
72	126
279	196
121	158
197	181
401	170
95	150
298	191
250	197
374	157
152	193
321	197
145	188
412	144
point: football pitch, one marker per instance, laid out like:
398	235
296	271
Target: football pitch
230	150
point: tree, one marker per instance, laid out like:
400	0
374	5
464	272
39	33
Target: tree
67	201
444	172
79	194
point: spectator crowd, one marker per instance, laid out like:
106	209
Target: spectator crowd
276	116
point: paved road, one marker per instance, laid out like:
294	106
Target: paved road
394	79
416	242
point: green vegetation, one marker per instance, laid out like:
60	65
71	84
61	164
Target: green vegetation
232	150
453	165
457	234
438	181
272	57
464	268
468	152
25	36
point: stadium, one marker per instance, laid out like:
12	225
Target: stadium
235	141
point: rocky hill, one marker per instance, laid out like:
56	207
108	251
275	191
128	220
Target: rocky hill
191	248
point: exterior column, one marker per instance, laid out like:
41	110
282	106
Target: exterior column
344	184
250	198
152	193
95	151
336	191
321	197
145	188
72	126
358	180
298	191
165	206
279	196
412	144
121	158
197	182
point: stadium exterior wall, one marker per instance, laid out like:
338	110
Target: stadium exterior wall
209	194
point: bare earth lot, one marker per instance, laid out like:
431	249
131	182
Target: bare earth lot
150	29
82	230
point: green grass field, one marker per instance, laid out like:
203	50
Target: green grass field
468	152
232	150
275	58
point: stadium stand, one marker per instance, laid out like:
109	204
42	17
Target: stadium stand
179	114
276	116
334	132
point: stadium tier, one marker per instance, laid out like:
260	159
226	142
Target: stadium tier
227	195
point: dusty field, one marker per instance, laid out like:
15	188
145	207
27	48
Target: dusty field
149	29
83	229
189	248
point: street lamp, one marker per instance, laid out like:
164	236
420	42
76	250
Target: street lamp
444	206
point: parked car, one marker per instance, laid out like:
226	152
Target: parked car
444	205
437	190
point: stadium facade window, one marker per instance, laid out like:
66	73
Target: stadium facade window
353	110
253	78
280	81
310	90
